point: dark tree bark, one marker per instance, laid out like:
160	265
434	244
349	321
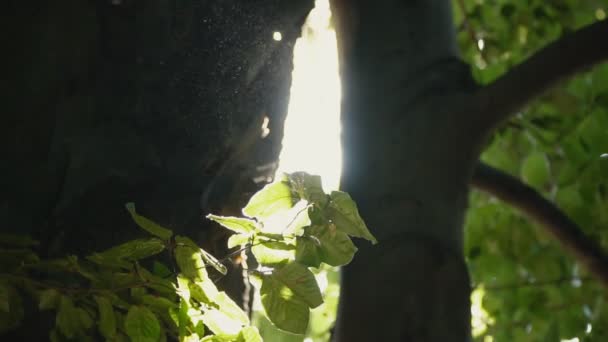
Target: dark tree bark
107	102
413	128
407	167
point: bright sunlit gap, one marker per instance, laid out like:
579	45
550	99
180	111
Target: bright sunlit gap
312	127
311	141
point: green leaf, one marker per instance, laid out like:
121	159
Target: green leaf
288	222
148	225
249	334
287	294
284	308
183	318
4	298
189	258
220	323
191	338
183	287
142	325
161	270
238	240
198	326
204	291
161	304
236	224
219	338
273	252
162	285
137	292
107	318
308	187
68	319
535	169
49	299
273	198
130	251
335	247
308	251
301	281
344	214
231	309
85	318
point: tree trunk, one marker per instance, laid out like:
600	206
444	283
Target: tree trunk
407	165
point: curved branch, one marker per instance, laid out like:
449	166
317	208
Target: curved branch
521	196
558	60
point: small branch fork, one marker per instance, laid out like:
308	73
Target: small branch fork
523	197
558	60
507	95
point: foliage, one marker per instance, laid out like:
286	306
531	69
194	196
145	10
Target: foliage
532	290
293	225
127	293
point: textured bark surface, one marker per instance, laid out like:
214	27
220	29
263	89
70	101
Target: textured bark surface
407	165
409	288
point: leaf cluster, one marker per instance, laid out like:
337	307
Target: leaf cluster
111	295
292	225
127	293
557	144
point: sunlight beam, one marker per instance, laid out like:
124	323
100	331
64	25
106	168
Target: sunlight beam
311	141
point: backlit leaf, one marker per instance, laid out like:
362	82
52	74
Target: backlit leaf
273	198
308	187
231	309
236	224
301	281
284	308
220	323
204	291
238	240
308	251
344	214
249	334
273	252
288	222
189	258
334	247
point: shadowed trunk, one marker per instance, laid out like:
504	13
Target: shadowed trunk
407	166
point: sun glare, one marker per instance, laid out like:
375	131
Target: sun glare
312	128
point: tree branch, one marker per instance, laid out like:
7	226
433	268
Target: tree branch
521	196
558	60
